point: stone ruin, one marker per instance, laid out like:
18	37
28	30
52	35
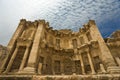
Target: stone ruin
37	52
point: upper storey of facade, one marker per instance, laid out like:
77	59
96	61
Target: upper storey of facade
58	39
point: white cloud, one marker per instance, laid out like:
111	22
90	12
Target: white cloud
60	13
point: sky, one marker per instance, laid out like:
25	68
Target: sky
61	14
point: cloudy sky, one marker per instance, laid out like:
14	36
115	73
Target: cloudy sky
61	14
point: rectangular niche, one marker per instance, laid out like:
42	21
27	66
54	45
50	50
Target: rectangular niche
74	43
18	59
86	63
78	69
97	62
57	67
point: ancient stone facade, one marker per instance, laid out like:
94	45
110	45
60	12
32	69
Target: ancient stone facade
35	48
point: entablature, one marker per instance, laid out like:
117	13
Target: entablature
24	42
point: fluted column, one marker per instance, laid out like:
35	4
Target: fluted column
82	64
91	63
24	59
11	60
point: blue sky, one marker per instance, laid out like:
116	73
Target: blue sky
71	14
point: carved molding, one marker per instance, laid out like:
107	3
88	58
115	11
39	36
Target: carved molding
24	42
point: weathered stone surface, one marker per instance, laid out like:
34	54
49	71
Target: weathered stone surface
46	54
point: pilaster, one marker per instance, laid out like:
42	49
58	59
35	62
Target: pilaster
31	66
105	53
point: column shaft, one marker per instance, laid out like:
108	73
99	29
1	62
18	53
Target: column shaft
102	68
91	63
53	66
24	59
40	65
62	68
82	64
11	60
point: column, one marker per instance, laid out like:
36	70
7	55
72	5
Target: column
24	59
32	61
62	68
16	34
105	53
12	41
117	60
23	33
102	68
91	63
11	60
53	67
73	69
31	37
82	64
2	66
40	65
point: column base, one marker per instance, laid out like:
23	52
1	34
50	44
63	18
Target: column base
5	72
113	69
83	73
93	72
27	70
62	73
74	74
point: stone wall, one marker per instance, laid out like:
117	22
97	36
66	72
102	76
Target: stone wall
36	48
3	55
